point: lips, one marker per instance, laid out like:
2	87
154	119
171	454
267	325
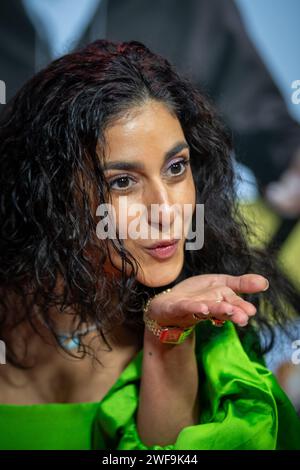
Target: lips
161	244
163	249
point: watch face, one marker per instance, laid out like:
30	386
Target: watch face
174	335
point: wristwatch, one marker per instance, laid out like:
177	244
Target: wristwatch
166	334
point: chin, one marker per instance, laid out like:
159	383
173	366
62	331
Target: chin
160	276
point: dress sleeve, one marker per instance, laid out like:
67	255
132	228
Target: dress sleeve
131	440
242	406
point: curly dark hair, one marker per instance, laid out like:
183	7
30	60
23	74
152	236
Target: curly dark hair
51	176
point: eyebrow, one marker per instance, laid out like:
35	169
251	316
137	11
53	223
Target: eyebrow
132	166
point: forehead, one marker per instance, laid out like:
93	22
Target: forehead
145	130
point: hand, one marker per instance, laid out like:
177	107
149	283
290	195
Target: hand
198	294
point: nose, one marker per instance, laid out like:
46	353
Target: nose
161	208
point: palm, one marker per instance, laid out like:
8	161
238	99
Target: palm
213	293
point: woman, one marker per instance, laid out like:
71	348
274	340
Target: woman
93	359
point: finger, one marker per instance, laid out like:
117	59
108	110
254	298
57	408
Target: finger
221	311
179	313
247	283
237	309
239	317
219	308
237	301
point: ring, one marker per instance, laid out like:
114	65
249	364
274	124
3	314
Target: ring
217	322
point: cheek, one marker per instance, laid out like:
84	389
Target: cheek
187	193
187	199
129	213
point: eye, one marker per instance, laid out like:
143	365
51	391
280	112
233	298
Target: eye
178	167
122	183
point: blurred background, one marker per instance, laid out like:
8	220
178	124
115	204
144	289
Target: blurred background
242	54
273	26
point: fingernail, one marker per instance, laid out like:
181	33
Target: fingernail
229	313
196	317
243	323
267	286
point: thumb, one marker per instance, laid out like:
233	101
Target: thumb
246	283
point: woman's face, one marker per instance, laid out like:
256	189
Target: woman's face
148	171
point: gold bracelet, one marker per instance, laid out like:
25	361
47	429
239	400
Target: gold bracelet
166	334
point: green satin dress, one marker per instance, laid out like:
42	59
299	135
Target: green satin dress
242	407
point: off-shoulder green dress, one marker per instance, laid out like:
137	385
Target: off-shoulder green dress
242	407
